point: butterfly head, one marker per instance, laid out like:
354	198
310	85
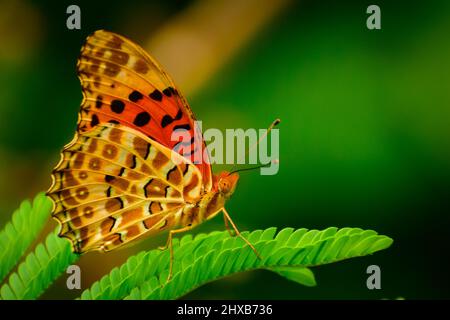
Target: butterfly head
226	183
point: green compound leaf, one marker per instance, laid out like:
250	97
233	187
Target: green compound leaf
40	269
206	258
18	234
302	276
198	260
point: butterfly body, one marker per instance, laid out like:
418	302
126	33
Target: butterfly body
211	203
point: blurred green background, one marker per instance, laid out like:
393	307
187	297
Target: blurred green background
364	133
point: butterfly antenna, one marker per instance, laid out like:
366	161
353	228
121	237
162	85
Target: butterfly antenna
256	167
273	125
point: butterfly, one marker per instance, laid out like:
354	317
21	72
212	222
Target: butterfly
122	178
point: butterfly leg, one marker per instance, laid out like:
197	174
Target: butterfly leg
228	219
225	220
169	244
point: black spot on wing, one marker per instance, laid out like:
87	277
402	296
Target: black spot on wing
168	174
168	91
117	106
121	202
142	119
99	102
167	119
150	208
114	222
109	178
179	115
166	189
156	95
135	96
133	165
145	187
148	151
94	120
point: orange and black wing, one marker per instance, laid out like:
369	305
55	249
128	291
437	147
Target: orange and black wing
113	185
122	84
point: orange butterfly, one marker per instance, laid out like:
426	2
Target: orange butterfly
118	180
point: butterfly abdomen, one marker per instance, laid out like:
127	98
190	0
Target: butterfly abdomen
206	208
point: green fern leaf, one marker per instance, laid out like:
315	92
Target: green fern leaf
208	257
26	223
40	269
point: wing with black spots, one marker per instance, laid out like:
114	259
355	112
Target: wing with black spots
122	84
113	185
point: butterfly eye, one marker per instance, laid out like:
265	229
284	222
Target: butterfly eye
224	186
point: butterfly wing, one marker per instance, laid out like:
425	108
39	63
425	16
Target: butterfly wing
122	84
113	185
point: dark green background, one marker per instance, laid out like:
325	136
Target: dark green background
364	134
